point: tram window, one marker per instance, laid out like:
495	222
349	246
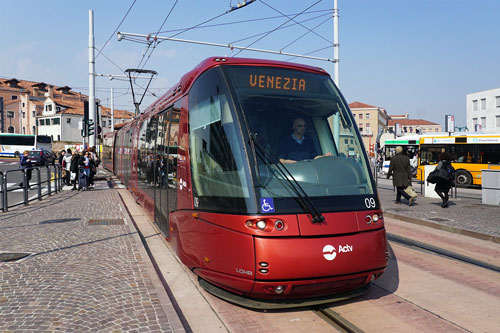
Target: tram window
217	166
270	111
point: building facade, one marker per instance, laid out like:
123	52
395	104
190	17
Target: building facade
40	108
483	111
409	126
371	121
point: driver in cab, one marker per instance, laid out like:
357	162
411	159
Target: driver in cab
298	146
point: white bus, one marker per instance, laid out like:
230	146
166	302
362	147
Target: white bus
13	145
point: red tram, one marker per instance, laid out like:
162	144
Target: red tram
206	160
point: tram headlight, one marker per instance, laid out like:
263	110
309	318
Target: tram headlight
261	224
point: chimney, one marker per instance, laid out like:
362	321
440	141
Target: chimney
407	115
51	91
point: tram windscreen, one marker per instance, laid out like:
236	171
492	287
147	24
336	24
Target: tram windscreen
290	113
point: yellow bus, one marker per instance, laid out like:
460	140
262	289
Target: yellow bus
472	152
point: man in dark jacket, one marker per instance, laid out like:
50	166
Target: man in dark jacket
25	163
400	170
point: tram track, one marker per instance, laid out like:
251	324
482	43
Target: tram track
411	243
335	320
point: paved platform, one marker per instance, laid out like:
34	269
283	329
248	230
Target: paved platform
89	270
465	215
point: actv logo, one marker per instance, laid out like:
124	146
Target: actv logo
329	252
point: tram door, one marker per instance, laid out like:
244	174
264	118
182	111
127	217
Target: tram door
166	167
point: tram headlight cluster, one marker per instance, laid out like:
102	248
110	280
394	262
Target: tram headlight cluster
267	225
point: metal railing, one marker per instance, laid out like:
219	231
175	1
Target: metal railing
47	180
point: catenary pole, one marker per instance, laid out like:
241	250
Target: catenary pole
112	112
92	108
336	117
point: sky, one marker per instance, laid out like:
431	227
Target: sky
418	57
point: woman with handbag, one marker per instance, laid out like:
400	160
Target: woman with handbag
400	169
446	175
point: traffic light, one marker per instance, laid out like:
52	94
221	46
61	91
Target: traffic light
84	128
90	127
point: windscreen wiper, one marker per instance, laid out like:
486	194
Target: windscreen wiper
302	196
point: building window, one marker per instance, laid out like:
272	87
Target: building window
474	105
48	107
360	116
483	103
58	137
436	130
10	129
354	115
33	130
367	116
10	114
56	121
497	99
58	108
33	113
14	97
361	130
23	104
104	123
483	122
68	120
474	122
497	121
24	115
41	122
24	130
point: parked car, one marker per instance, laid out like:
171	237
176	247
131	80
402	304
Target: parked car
41	157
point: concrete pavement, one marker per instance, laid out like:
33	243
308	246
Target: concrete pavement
465	215
86	271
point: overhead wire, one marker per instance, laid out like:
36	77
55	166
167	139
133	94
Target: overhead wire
283	27
114	32
321	49
305	34
154	40
245	21
267	34
295	21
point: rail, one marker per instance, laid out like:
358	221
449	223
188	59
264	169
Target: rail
47	180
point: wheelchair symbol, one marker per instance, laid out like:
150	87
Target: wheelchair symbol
267	205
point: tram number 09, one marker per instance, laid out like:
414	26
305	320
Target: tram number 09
370	203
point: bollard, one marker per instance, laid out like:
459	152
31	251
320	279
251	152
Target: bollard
48	181
3	189
5	202
25	186
39	183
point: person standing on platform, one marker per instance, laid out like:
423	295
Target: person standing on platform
67	166
445	178
75	161
400	170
